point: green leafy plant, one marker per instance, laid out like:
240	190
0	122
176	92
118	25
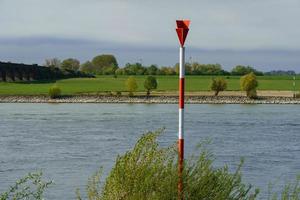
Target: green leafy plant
118	93
131	85
29	187
218	85
149	171
70	64
54	92
150	84
249	84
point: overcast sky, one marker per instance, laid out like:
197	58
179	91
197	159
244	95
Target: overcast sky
261	33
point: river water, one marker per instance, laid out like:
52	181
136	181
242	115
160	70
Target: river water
69	142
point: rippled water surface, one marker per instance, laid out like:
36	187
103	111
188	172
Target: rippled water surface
70	141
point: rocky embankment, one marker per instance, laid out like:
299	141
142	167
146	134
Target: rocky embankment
151	100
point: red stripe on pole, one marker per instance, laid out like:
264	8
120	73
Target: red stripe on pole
181	93
180	168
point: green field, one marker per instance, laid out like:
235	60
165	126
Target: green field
165	83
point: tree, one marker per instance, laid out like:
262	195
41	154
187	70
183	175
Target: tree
187	69
131	85
249	84
167	71
152	70
53	63
150	84
243	70
70	64
104	63
120	71
87	67
218	85
134	69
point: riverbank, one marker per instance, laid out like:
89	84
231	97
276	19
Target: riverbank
150	100
166	84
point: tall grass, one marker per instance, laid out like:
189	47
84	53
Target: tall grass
149	171
32	186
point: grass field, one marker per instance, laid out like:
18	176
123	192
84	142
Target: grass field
165	83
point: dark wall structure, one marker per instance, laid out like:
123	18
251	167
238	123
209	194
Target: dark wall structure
20	72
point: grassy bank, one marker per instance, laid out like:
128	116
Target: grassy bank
165	83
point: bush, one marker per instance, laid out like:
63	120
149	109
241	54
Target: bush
218	85
118	93
30	187
150	84
150	172
109	93
252	94
54	92
249	84
131	85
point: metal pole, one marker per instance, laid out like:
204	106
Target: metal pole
182	32
181	122
294	86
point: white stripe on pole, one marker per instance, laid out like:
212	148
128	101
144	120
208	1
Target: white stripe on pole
181	125
181	62
181	109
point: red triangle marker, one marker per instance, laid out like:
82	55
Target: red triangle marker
182	30
183	23
182	34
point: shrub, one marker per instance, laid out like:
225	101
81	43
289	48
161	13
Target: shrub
54	92
118	93
218	85
249	84
150	84
30	187
131	85
109	93
150	172
252	94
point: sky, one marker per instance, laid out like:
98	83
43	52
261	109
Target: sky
262	33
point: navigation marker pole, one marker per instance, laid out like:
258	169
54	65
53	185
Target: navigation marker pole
294	84
182	31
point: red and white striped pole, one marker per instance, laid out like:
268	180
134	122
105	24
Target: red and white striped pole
182	31
181	122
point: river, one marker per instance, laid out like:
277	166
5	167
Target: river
69	142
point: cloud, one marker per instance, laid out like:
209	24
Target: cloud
215	24
36	50
258	32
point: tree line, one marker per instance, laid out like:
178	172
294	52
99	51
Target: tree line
20	72
107	65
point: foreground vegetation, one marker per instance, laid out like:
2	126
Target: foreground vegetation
149	171
31	186
164	84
